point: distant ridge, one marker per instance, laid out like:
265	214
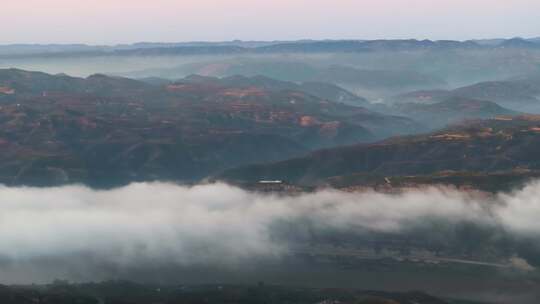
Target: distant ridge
237	46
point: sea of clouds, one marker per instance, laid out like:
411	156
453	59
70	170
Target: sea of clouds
218	224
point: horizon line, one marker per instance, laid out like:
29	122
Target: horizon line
255	41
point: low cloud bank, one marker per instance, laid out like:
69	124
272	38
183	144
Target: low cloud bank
159	223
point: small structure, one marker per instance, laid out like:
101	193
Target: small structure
270	182
270	186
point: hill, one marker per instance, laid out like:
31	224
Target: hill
321	90
113	292
482	148
450	111
518	93
351	78
106	131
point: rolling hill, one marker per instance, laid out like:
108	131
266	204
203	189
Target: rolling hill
321	90
518	93
451	110
105	131
502	148
352	78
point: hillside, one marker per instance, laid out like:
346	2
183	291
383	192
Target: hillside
116	292
105	131
450	111
518	93
486	147
321	90
351	78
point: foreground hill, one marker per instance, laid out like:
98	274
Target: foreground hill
104	130
469	152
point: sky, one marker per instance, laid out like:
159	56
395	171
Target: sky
128	21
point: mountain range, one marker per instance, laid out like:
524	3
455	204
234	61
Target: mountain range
105	130
300	46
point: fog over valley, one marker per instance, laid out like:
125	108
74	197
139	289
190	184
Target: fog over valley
82	234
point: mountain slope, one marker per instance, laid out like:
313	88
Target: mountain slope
450	111
502	144
348	77
106	131
321	90
518	94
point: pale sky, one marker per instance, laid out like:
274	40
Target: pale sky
127	21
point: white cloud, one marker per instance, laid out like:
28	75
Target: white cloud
221	225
